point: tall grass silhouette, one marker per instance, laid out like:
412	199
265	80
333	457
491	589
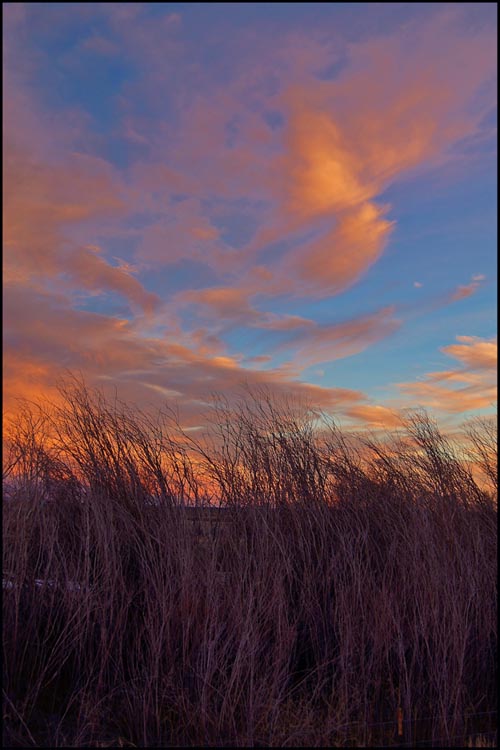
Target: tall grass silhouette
275	583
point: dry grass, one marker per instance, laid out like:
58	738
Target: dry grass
349	581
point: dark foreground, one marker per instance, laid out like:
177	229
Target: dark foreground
336	601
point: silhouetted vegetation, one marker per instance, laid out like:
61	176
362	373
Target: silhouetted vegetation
341	583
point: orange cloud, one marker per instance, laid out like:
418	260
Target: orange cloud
40	200
88	271
324	172
474	352
392	111
113	352
48	204
338	259
205	232
464	291
225	303
480	391
373	415
453	376
454	401
326	343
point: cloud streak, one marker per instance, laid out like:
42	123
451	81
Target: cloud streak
437	391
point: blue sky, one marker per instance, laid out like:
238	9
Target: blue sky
300	196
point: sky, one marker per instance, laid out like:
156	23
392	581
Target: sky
200	198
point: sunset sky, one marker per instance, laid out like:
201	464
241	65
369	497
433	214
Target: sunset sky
299	195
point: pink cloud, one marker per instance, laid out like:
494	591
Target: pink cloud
113	351
397	107
339	258
43	203
224	303
455	401
275	322
373	415
464	291
343	142
88	271
480	389
182	232
326	343
52	196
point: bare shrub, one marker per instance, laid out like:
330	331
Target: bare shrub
482	433
337	580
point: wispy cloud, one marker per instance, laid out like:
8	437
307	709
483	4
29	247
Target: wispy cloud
374	415
476	378
467	290
328	342
474	353
259	168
